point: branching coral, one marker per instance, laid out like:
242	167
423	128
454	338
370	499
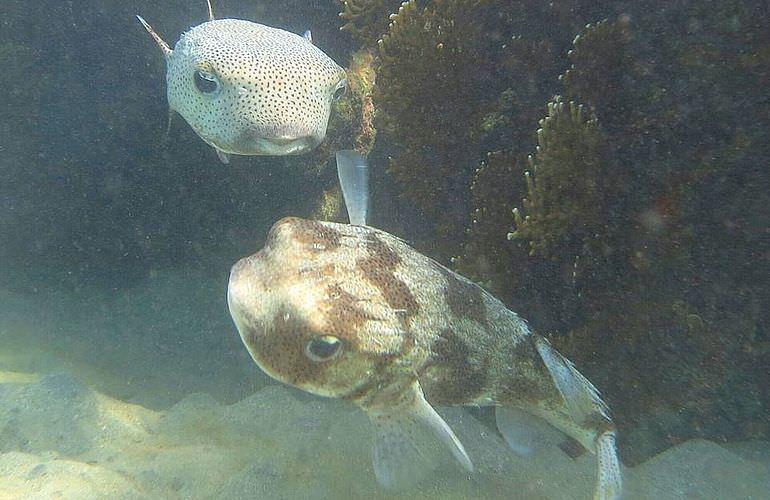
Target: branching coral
435	85
367	20
617	216
599	64
486	256
494	188
565	204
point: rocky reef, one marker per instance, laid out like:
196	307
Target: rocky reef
602	226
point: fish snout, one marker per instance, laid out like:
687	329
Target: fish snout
244	291
284	139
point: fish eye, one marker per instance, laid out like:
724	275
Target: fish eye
323	348
339	91
207	82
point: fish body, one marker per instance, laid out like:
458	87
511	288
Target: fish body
355	313
250	89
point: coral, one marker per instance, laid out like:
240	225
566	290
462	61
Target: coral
486	256
367	20
435	65
599	63
496	181
565	205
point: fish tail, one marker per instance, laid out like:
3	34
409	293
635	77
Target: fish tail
590	415
609	482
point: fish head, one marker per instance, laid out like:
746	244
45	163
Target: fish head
249	89
308	318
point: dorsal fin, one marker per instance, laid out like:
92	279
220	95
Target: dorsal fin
353	173
163	45
211	11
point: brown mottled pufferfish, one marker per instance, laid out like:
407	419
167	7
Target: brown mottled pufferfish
249	89
353	312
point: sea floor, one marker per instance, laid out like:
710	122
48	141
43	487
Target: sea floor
148	393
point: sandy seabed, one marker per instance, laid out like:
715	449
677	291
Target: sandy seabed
144	396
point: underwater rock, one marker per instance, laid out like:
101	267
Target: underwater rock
281	443
362	78
25	476
699	469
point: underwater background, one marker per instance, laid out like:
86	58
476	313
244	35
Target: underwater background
600	166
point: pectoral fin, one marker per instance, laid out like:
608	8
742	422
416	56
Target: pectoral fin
222	156
525	433
405	440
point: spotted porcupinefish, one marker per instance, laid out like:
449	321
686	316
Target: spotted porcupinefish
249	89
353	312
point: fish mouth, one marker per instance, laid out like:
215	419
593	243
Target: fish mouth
290	146
274	140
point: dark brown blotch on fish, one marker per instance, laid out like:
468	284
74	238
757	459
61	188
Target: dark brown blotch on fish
285	352
378	268
344	316
528	380
312	235
462	375
464	298
572	447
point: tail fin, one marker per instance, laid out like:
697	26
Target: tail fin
590	413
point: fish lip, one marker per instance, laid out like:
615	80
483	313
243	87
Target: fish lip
272	141
290	138
292	146
283	141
